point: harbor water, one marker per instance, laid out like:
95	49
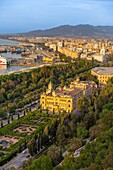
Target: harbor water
4	42
3	68
6	69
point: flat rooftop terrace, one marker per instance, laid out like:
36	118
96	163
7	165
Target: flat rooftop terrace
103	70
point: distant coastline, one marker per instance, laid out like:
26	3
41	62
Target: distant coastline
7	42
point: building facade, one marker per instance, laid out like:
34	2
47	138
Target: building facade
65	99
103	74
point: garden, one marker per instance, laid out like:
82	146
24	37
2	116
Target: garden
15	136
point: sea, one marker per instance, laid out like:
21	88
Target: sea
5	42
6	69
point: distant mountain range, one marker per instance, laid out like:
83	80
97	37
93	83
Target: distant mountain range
73	31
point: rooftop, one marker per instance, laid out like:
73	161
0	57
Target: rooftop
67	93
103	70
71	92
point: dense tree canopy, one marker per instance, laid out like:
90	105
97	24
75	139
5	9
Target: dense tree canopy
94	122
17	90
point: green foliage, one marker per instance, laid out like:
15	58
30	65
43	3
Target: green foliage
69	164
8	157
43	163
76	143
12	168
96	119
108	106
45	119
18	90
54	152
32	147
82	132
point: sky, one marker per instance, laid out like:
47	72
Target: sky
26	15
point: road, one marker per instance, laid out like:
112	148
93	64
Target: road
19	159
16	161
77	152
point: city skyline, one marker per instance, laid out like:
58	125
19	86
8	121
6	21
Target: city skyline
28	15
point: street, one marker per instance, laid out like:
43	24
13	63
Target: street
16	161
19	159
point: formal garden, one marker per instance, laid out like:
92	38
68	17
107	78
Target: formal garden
15	136
25	129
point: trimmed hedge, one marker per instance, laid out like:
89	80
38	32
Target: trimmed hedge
8	157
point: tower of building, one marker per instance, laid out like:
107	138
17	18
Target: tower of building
50	88
102	51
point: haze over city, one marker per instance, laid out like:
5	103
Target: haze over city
27	15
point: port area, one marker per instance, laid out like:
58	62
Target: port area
27	57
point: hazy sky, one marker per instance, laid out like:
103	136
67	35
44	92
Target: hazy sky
27	15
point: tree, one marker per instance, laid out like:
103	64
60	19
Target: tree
18	115
43	163
32	147
68	164
95	131
26	163
12	117
1	123
82	132
54	152
8	120
94	166
60	135
108	161
12	168
45	139
53	128
75	144
89	119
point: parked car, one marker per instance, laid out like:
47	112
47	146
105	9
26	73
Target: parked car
28	156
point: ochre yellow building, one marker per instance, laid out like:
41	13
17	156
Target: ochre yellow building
65	99
67	52
103	74
48	59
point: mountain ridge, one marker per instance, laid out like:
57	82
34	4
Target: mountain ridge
81	30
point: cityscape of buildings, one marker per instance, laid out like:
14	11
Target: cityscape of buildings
44	103
56	85
90	49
